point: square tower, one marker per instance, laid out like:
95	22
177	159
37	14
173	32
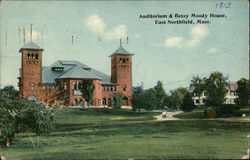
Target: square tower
31	70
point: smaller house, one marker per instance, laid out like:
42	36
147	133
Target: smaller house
230	97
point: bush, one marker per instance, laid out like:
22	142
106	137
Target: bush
226	110
210	112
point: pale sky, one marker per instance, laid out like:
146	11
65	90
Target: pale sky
171	53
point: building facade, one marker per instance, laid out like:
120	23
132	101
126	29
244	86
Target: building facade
230	97
45	83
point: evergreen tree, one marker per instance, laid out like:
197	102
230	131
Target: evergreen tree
243	91
188	103
88	90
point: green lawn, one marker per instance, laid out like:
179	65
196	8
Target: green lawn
100	115
198	139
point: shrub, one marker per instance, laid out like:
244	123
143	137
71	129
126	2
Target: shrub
210	112
226	110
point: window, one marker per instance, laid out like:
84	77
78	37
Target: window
65	85
126	59
203	101
75	85
123	60
124	88
115	89
32	56
107	88
120	60
32	87
103	88
205	93
36	56
197	101
104	101
111	89
79	85
28	56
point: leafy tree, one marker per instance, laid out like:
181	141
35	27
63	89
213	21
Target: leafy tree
160	95
243	91
88	90
143	99
117	101
216	88
20	115
199	85
61	95
176	97
188	103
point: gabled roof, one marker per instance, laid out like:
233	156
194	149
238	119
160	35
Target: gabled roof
121	51
232	86
30	46
57	64
73	69
78	72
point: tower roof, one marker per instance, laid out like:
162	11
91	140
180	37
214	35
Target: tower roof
30	46
121	51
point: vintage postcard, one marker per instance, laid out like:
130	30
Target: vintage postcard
124	79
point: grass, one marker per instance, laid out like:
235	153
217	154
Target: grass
198	139
100	115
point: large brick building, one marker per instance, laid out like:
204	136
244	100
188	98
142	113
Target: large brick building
43	83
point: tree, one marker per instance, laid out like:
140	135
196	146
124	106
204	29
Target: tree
199	86
160	95
143	99
117	101
61	95
20	115
188	103
88	90
176	98
138	98
216	88
243	91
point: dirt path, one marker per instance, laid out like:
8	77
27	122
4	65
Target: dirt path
169	116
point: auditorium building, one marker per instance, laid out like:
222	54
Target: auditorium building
44	82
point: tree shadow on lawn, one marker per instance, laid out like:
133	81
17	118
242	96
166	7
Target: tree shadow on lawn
167	127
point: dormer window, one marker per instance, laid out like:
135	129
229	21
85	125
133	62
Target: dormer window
87	68
58	69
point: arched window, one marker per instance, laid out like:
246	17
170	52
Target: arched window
126	59
75	102
120	60
123	60
125	101
28	56
124	88
32	56
115	89
36	56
